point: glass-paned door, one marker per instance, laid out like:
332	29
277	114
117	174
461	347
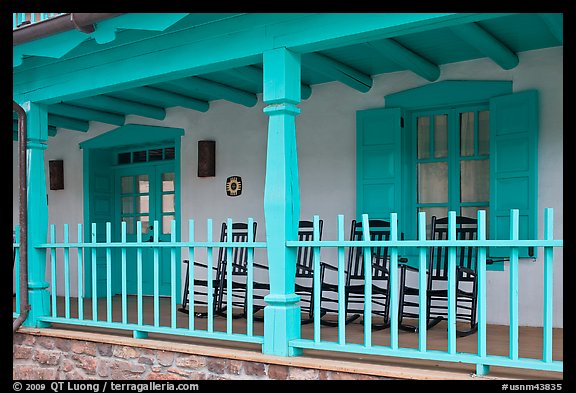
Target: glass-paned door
147	193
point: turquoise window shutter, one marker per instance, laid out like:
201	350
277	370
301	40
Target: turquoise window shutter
378	162
513	166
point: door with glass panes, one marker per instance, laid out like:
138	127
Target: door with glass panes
146	194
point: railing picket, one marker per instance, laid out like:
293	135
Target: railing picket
94	282
80	275
124	275
422	284
452	284
514	227
229	275
139	271
66	273
316	277
393	282
156	252
341	283
190	276
548	285
367	282
108	272
173	274
209	277
54	284
481	368
250	281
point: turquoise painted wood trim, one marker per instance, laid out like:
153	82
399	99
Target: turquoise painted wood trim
117	105
448	92
108	273
367	254
548	286
256	76
53	276
349	76
68	123
164	98
229	277
139	273
216	90
87	114
281	199
210	276
406	58
173	281
514	166
80	274
159	329
413	353
426	243
191	276
341	284
124	274
126	135
422	284
93	277
316	277
486	44
393	282
66	274
156	258
482	369
513	320
37	121
250	281
451	284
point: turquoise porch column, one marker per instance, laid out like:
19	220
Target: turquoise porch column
281	200
38	295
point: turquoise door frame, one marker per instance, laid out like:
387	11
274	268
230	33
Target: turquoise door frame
100	190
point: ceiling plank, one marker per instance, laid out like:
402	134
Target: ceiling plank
555	23
86	114
117	105
406	58
256	75
217	90
487	44
339	71
68	123
164	98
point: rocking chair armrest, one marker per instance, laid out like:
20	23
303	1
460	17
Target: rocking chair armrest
260	266
327	265
404	266
490	261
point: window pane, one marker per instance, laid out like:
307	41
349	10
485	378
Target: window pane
155	155
484	132
166	223
127	205
439	212
423	137
167	203
467	134
143	184
440	136
124	158
433	182
139	156
168	181
169	153
143	204
127	184
475	180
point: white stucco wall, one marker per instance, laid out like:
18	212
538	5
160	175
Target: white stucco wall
326	134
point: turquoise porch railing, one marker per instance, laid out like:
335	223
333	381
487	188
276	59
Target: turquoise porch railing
482	359
86	251
20	19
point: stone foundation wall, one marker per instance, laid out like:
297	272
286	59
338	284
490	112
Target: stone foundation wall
53	358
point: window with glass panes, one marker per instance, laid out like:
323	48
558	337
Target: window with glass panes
452	161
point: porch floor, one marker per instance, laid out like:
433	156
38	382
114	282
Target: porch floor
530	342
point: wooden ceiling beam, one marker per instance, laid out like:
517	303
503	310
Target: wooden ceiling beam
406	58
332	68
487	44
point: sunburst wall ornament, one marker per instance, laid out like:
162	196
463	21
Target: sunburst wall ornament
234	186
